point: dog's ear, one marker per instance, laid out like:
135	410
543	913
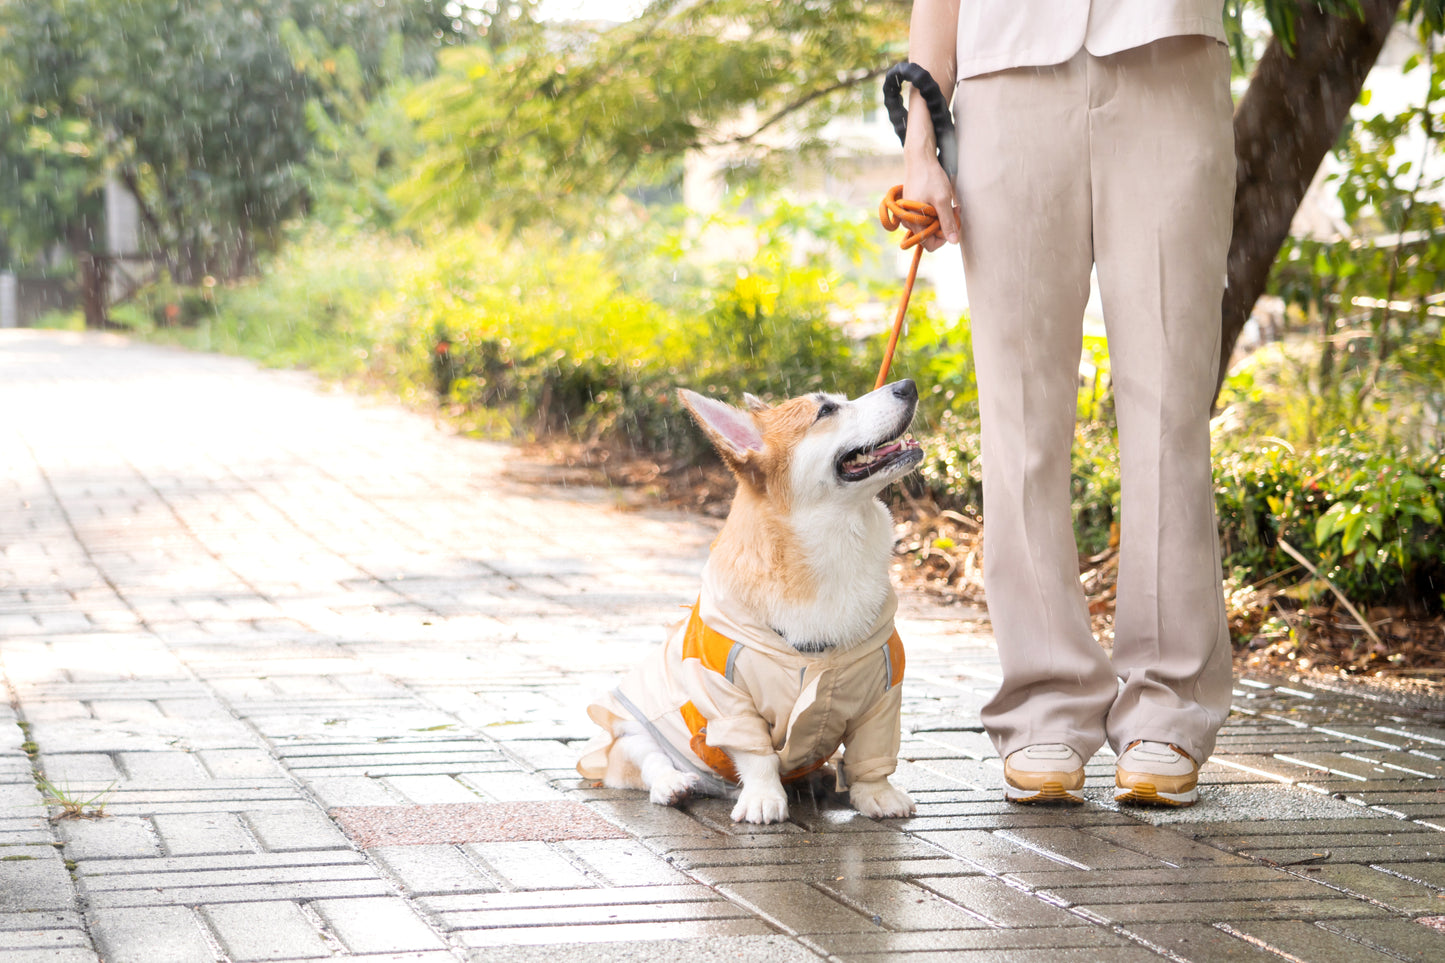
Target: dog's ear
732	431
754	403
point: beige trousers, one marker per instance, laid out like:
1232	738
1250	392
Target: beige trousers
1124	162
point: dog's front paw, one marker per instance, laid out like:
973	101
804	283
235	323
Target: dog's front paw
879	800
672	787
766	805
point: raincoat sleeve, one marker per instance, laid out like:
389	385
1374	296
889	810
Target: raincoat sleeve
870	746
733	720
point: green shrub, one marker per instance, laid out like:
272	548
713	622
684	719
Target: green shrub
1368	519
534	335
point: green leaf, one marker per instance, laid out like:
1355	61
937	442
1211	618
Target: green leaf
1331	521
1354	529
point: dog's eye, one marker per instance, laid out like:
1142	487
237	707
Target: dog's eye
825	409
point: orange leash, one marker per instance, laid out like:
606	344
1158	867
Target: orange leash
921	220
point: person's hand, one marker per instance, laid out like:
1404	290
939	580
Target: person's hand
925	180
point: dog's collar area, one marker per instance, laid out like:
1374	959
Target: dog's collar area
807	646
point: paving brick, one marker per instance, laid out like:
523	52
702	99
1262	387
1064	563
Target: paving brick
1200	943
624	913
1118	954
1386	888
990	852
508	786
45	920
73	771
834	869
1166	845
1234	910
609	896
216	895
899	905
291	831
666	931
431	789
798	908
794	849
1356	822
1306	942
63	955
265	931
530	865
643	818
431	870
340	791
946	815
1431	873
162	768
1298	856
623	862
1386	836
1404	939
194	834
1078	848
1000	903
14	940
239	763
884	945
199	863
197	879
377	925
150	934
110	837
1193	891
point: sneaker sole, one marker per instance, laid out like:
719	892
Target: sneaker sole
1144	794
1049	793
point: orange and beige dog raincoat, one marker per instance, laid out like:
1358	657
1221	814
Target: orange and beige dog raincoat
722	679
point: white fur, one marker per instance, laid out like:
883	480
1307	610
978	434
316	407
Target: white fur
878	799
847	534
850	553
762	799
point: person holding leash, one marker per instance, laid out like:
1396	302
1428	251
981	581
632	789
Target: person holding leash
1091	134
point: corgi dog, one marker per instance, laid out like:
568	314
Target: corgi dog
790	651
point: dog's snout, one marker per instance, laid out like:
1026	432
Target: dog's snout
905	390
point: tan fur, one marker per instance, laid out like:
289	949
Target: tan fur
757	546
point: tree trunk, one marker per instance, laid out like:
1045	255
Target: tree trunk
1287	121
92	276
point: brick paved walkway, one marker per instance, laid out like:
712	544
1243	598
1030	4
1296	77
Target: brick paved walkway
327	665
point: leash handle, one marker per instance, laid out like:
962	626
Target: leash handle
921	220
938	111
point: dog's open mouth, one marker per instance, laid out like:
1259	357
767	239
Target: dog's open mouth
861	463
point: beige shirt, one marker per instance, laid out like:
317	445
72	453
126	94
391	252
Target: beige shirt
768	698
999	34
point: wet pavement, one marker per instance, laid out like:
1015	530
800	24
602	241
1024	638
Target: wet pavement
323	667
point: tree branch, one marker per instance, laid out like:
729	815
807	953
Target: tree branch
802	102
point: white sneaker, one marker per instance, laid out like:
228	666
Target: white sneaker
1046	773
1156	774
